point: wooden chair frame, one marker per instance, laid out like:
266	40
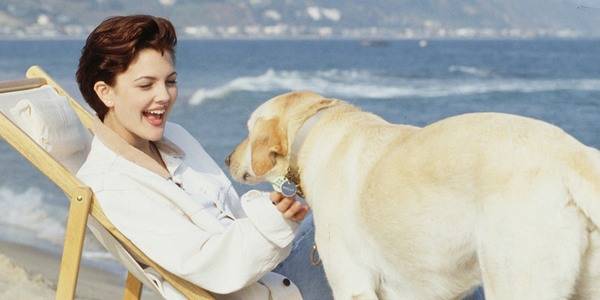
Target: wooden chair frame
81	198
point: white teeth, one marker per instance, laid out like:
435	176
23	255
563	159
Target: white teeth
155	112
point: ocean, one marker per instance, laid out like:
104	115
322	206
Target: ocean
222	81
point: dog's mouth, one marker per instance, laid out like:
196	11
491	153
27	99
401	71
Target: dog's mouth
244	176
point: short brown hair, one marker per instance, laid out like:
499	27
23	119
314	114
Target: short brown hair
113	45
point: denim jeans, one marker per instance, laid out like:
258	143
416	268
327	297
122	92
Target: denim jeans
311	279
297	267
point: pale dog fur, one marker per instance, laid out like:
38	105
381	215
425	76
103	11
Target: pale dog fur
429	213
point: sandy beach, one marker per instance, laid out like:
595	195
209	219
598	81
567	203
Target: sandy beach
28	273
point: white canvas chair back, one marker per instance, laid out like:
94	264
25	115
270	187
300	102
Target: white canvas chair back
50	121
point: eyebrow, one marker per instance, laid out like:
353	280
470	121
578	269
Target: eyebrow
152	77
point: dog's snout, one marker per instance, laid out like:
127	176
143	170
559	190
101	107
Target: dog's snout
228	160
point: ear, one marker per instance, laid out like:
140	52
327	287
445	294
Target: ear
323	103
302	112
267	140
105	93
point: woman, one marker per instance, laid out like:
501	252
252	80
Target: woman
161	189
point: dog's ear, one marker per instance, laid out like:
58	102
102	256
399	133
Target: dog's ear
268	140
322	103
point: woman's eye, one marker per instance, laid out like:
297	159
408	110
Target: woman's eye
146	86
171	82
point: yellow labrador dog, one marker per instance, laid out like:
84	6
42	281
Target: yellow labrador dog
429	213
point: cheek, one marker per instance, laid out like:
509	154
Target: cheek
173	93
128	110
130	101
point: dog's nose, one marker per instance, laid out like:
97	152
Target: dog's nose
228	160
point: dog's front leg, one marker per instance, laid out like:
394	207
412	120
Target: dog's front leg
347	279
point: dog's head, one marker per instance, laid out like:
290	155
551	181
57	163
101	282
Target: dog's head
264	154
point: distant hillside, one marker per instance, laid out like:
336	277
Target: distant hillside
316	18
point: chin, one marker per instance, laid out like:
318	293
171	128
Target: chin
155	136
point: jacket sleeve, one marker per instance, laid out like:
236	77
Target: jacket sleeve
221	262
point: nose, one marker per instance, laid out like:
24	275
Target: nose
228	160
163	96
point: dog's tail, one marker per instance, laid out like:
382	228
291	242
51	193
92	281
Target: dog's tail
584	183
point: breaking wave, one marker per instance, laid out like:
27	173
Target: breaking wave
29	218
29	212
478	72
357	84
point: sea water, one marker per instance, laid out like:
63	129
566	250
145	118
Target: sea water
221	82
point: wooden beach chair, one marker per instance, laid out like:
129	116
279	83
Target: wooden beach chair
58	156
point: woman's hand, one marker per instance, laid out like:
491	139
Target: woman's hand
290	208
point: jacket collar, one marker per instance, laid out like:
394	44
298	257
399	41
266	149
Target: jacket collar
118	145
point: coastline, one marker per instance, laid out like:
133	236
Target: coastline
30	273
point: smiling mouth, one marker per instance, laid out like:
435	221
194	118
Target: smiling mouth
155	117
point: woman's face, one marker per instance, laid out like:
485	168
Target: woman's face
142	98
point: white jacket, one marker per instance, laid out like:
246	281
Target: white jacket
189	220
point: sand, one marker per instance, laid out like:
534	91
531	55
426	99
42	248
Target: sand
29	273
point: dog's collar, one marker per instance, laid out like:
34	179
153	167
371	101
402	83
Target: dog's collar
290	184
302	133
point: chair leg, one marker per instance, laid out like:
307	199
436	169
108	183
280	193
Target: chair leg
74	237
133	288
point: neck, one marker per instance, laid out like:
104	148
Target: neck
303	131
111	121
294	172
135	141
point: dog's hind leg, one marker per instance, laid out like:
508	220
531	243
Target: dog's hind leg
532	247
